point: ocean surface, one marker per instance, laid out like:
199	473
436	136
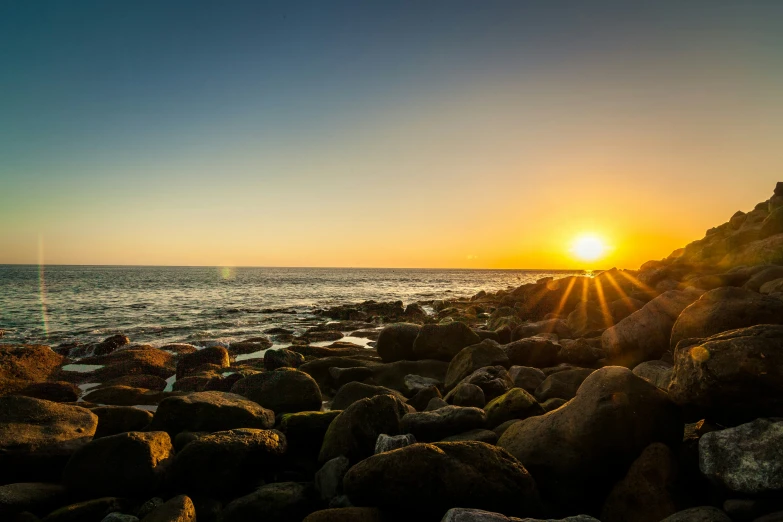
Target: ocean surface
201	305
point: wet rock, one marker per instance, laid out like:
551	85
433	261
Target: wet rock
89	510
436	425
210	411
392	442
395	342
514	404
110	344
478	515
725	309
657	373
305	430
329	479
646	493
428	479
562	385
228	462
537	352
355	391
734	376
278	502
423	397
747	460
346	514
443	342
128	464
465	394
282	391
747	510
216	355
698	514
274	359
526	377
177	509
354	432
37	437
125	396
578	451
36	497
644	335
472	358
119	419
253	345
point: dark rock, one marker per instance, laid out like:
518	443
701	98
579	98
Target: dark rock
355	391
210	411
698	514
413	384
119	517
37	497
488	334
329	479
477	435
472	358
393	375
747	510
725	309
562	385
423	397
249	346
657	373
588	316
493	380
622	308
580	352
537	352
89	510
428	479
465	394
217	355
762	277
51	391
177	509
138	360
747	460
149	382
125	396
119	419
353	433
395	342
278	502
110	344
342	376
773	224
734	376
393	442
37	437
228	462
548	326
436	404
514	404
430	426
274	359
282	391
443	342
526	377
305	430
578	451
553	404
320	369
772	287
33	363
346	514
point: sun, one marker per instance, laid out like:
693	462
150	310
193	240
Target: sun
588	248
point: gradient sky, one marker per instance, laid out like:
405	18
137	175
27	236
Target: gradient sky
389	134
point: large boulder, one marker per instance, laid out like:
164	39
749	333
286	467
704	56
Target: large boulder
644	335
216	355
466	394
37	437
282	391
588	317
578	451
726	309
136	360
431	426
657	373
28	362
228	462
277	502
746	460
395	342
562	385
471	358
210	411
282	358
353	433
126	464
514	404
354	391
537	352
119	419
429	479
734	376
443	342
177	509
623	307
305	431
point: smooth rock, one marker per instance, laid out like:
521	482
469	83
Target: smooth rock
355	391
443	342
282	358
465	394
562	385
329	479
698	514
217	355
472	358
430	426
395	342
514	404
277	502
536	352
493	381
210	411
526	377
282	391
657	373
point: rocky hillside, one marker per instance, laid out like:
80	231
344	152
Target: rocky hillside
650	395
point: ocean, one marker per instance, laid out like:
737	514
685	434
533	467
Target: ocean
204	305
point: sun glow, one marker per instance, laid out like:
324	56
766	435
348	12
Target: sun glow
589	248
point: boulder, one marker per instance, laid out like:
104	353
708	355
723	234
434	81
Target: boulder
89	511
657	373
177	509
38	498
725	309
443	342
277	502
646	493
562	385
393	442
137	360
772	287
773	224
698	514
210	411
466	394
734	376
119	419
305	431
149	382
119	517
429	479
126	464
353	432
228	462
329	479
51	391
424	396
110	344
472	358
430	426
623	307
644	335
746	460
537	352
547	326
477	435
588	317
580	352
413	384
342	376
393	375
274	359
395	342
493	381
282	391
759	279
125	396
578	451
553	404
514	404
526	377
37	437
436	404
346	514
216	355
27	362
355	391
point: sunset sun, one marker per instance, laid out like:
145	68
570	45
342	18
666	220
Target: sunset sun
588	248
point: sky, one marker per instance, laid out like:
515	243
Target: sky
488	134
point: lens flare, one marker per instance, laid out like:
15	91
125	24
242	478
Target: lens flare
42	287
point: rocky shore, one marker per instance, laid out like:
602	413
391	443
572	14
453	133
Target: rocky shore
648	395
